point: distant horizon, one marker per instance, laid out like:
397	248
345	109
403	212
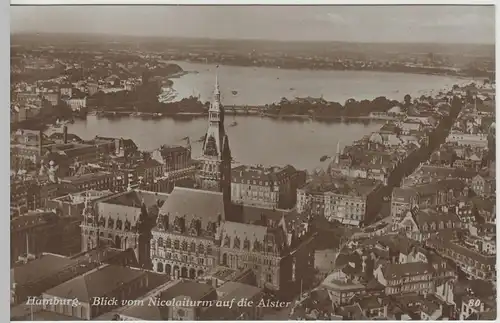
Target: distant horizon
441	24
158	37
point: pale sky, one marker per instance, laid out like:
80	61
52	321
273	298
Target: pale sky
450	24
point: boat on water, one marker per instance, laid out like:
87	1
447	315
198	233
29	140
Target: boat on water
323	158
233	124
202	139
292	89
234	92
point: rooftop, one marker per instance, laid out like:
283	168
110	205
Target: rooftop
195	291
96	283
237	291
135	198
35	270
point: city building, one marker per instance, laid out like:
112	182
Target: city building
280	255
273	187
421	224
122	220
483	185
425	196
110	281
474	264
183	241
413	277
349	201
39	274
72	204
467	139
98	181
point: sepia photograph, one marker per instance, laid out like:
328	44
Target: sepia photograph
252	162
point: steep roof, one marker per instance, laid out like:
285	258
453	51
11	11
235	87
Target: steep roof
193	203
96	283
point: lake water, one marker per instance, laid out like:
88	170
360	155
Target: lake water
253	141
267	141
259	86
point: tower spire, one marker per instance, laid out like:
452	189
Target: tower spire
337	155
217	90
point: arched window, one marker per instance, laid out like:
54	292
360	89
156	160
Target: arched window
192	247
236	243
168	243
256	246
224	259
160	242
201	248
246	244
227	242
176	244
209	250
184	245
111	223
119	224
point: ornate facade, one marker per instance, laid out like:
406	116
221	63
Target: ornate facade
183	241
121	221
281	256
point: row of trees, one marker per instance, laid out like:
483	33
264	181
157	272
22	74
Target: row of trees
322	108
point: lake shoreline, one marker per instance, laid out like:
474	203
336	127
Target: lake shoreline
409	70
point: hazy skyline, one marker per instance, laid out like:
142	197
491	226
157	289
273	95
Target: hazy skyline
446	24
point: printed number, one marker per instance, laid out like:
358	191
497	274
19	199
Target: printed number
474	302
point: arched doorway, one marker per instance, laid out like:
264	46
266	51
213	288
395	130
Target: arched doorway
200	273
184	272
168	269
159	267
224	259
176	271
118	242
192	273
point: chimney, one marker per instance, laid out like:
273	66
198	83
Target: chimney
65	134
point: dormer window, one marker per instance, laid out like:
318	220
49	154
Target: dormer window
111	222
227	242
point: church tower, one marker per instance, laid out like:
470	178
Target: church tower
215	173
